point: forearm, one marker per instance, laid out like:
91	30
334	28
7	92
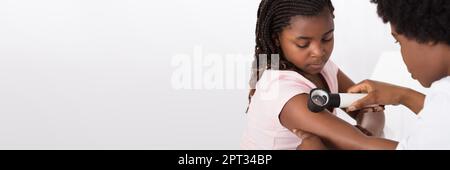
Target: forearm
327	126
413	100
363	142
374	143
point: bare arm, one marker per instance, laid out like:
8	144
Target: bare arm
371	120
295	115
413	100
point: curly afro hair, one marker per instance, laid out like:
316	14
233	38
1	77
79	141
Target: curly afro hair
421	20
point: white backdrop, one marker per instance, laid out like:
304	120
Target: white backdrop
96	74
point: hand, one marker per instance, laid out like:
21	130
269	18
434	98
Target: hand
371	109
379	93
370	121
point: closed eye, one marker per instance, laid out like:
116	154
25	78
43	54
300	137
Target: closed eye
328	39
303	46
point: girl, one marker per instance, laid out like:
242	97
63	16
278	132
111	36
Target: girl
301	33
422	30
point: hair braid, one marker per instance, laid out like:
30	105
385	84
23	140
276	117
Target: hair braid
272	17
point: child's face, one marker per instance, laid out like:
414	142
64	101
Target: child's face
422	59
308	41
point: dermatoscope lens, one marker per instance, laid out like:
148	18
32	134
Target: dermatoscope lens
319	100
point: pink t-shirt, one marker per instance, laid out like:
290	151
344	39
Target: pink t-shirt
274	89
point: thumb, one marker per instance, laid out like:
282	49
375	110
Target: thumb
362	103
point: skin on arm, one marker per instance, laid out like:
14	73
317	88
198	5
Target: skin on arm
295	115
369	119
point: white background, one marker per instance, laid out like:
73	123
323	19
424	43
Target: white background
96	74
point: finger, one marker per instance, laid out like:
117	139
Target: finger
302	135
362	87
378	109
351	112
297	132
363	110
367	109
366	101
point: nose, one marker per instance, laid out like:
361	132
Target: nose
318	50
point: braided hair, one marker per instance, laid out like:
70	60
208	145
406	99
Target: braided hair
273	16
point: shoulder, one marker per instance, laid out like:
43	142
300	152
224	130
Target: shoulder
438	92
437	98
283	81
276	88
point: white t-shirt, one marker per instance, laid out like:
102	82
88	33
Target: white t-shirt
433	124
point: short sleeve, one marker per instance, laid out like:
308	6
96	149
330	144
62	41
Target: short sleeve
279	88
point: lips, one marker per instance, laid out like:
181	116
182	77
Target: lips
317	65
